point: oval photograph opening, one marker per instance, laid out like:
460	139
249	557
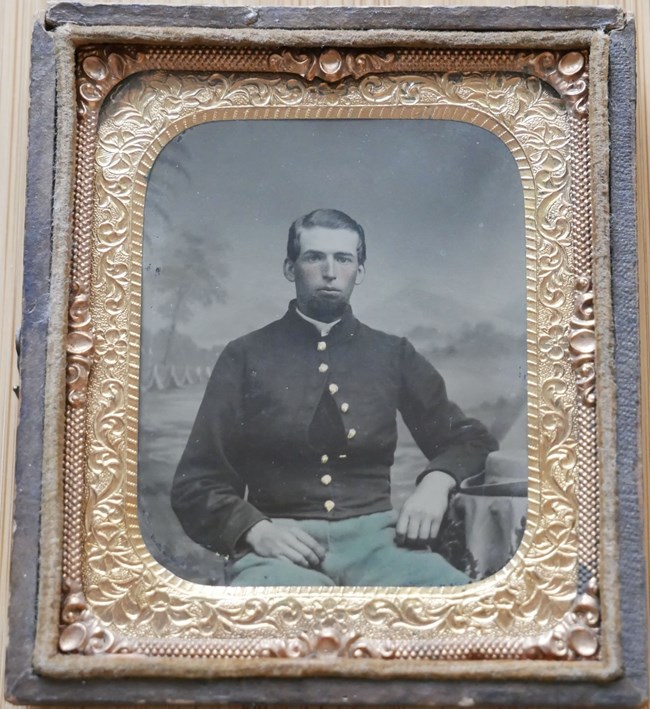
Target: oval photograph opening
333	383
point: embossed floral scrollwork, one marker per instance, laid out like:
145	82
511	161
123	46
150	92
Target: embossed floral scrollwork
553	343
80	345
576	637
113	345
329	639
99	72
501	94
331	64
82	633
566	72
582	341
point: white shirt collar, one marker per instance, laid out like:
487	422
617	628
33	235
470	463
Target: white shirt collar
322	327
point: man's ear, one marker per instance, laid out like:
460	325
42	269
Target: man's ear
288	269
361	274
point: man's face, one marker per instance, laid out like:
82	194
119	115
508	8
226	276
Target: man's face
325	272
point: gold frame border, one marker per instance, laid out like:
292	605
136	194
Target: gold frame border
80	353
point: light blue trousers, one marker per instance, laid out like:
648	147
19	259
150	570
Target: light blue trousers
360	551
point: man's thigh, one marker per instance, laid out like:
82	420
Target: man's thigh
370	557
396	566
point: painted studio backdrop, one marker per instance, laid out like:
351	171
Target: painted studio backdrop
441	204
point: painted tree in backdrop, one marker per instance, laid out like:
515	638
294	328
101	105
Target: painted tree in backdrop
187	268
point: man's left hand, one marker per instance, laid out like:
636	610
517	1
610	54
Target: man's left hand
421	515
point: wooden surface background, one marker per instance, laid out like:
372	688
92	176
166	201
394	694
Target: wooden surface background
15	26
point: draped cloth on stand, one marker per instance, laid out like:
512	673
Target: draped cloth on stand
487	516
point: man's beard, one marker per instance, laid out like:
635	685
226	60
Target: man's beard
325	310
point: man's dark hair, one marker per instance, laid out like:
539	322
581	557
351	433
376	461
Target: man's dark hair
330	219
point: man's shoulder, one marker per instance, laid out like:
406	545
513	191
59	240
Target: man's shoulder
398	347
380	336
259	336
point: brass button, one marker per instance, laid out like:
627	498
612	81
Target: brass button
343	455
321	346
345	407
322	367
324	458
333	388
329	505
326	479
352	433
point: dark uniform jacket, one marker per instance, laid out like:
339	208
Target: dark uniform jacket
297	425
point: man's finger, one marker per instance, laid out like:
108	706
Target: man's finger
425	531
413	529
294	557
435	526
401	526
305	552
309	541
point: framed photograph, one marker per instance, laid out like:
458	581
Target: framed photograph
330	375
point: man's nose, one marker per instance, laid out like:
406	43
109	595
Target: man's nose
329	271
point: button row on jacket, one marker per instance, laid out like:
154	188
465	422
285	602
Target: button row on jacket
326	479
345	407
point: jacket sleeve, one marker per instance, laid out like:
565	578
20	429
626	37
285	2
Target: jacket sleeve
208	489
453	443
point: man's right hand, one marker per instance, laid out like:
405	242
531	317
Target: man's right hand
285	540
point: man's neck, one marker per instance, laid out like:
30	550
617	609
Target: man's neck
322	327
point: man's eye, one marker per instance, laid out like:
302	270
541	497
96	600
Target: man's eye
344	259
312	257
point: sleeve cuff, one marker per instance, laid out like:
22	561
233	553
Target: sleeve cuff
237	527
431	469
